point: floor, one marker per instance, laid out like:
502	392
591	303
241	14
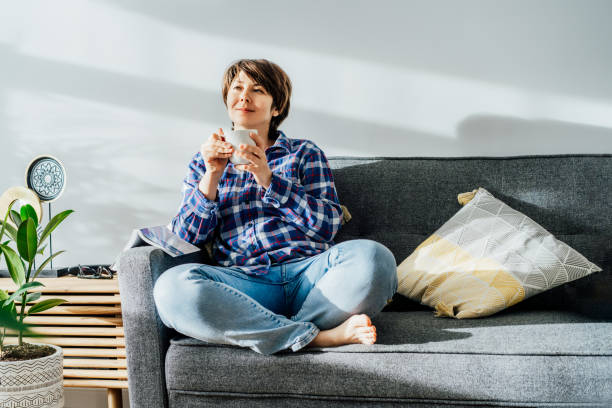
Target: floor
89	398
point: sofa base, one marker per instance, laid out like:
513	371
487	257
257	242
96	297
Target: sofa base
522	358
237	400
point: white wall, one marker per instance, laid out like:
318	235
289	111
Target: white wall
124	92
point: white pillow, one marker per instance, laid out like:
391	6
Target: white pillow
486	258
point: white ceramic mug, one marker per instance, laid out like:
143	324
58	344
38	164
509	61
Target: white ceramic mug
236	138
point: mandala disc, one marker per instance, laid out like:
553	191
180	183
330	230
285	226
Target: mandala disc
46	176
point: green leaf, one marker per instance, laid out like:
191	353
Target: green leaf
42	266
12	231
27	211
9	308
9	320
41	250
3	296
14	264
19	291
55	221
44	305
16	217
32	297
5	224
27	241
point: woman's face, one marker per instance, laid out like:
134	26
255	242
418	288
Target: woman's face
249	105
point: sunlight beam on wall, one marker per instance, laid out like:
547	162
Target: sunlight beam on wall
348	88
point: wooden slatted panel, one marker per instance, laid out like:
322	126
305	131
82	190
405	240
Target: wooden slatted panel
74	320
71	285
78	331
73	341
88	327
69	382
94	352
94	363
81	310
95	373
84	299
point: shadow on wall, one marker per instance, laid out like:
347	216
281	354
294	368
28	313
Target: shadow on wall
114	199
478	39
503	135
462	51
41	75
477	135
110	172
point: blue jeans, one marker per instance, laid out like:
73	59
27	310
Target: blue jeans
285	308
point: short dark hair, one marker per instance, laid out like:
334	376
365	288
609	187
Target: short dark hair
269	75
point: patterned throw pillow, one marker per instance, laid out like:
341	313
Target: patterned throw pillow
486	258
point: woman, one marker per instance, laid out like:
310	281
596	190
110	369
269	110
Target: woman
279	281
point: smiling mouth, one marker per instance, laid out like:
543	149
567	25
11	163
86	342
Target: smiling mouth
245	110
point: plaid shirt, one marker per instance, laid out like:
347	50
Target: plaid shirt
297	216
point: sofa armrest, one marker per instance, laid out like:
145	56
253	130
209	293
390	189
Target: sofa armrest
146	337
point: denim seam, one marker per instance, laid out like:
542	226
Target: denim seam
338	249
301	342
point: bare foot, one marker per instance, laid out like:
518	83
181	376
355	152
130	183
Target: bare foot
355	329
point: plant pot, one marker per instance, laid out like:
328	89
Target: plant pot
34	383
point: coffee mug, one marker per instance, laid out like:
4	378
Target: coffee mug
236	138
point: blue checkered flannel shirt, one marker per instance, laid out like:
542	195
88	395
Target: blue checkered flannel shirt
251	227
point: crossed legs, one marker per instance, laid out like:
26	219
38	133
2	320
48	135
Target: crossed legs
329	303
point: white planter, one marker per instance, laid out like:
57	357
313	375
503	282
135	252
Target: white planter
33	383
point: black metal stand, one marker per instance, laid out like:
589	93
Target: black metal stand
50	242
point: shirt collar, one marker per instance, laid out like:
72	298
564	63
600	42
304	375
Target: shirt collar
282	141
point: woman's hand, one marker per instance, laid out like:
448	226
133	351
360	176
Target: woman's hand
216	153
259	162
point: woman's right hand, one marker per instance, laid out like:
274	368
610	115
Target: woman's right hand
216	152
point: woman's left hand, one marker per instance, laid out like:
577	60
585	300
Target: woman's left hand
259	163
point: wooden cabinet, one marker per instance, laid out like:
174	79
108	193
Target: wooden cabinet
89	329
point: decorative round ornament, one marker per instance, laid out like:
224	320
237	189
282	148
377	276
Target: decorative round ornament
25	196
47	177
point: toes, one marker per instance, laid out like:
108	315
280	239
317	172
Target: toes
367	335
368	338
362	320
367	330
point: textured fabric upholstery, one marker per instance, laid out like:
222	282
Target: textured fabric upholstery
567	195
146	338
407	199
526	357
526	332
552	349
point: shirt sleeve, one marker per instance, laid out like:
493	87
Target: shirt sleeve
311	206
197	216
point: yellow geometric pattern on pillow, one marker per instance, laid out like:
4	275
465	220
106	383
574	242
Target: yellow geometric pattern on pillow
442	275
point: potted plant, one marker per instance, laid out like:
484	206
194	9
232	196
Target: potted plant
31	375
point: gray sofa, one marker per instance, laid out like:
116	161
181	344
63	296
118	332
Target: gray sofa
554	349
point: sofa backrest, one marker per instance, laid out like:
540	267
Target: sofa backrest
401	201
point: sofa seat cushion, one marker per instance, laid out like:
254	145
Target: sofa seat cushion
525	357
